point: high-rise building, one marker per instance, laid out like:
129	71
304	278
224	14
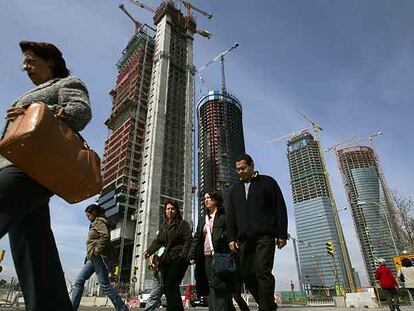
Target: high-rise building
220	141
315	217
122	160
167	155
370	203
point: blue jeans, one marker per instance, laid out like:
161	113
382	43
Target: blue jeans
97	264
157	290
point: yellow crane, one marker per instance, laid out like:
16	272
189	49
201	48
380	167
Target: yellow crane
341	239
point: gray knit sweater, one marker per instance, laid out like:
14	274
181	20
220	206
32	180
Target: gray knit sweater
70	93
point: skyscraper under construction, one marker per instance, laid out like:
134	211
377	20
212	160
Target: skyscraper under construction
122	160
315	215
167	154
220	140
370	203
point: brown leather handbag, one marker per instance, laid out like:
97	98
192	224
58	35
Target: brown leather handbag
46	149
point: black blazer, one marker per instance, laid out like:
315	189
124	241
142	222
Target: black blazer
176	237
196	253
263	213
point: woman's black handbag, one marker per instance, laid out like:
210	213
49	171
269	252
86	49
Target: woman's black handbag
224	264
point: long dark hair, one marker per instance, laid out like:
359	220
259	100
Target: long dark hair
47	51
95	210
216	196
174	203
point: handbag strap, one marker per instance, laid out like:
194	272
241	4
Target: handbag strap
60	114
208	236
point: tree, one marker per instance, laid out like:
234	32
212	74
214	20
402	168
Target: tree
403	218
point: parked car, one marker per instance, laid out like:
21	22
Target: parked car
143	297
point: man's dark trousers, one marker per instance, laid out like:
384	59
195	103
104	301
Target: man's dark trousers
256	264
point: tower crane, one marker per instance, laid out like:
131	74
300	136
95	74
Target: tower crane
341	239
142	5
138	25
288	136
189	6
353	141
221	58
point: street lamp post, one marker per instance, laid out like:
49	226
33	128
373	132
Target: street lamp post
386	220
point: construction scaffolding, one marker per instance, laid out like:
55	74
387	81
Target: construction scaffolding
122	159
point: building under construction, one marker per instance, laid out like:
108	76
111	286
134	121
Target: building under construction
220	141
122	160
369	200
315	223
167	154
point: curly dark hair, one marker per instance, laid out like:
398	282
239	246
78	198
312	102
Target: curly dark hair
47	51
174	203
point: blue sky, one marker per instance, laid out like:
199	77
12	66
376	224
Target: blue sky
347	64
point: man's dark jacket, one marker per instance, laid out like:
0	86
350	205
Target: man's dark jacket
263	213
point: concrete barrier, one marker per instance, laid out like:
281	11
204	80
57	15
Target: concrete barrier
361	300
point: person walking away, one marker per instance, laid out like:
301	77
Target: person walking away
157	289
406	275
175	236
256	221
24	203
211	236
388	283
97	252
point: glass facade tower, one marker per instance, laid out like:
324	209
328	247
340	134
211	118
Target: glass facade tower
367	195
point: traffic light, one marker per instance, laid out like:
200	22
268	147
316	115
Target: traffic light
116	271
330	247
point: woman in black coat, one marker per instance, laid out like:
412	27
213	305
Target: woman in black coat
175	236
220	291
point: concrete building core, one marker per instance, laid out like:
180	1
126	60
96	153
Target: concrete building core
167	155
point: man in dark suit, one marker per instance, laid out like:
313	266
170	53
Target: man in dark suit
257	221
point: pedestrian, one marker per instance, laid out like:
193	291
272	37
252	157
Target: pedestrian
210	237
154	300
238	297
406	276
256	220
97	253
24	203
157	289
388	283
175	235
